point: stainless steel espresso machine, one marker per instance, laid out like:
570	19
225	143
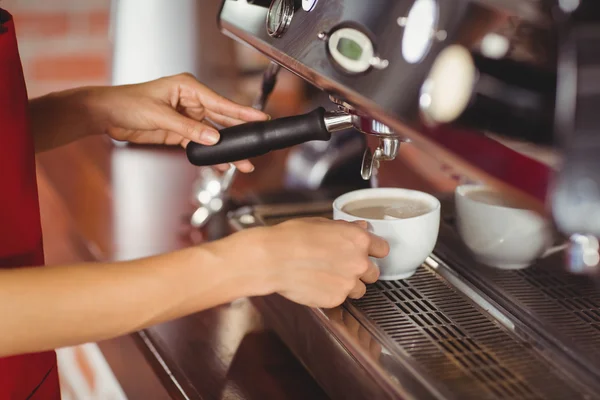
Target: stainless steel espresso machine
484	88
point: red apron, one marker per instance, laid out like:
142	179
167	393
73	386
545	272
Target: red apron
32	376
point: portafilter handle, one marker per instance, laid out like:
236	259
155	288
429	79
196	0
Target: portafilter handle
258	138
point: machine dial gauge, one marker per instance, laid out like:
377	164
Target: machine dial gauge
279	17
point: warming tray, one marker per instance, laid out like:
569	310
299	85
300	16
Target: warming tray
456	329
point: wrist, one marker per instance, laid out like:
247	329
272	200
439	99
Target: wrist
92	101
242	255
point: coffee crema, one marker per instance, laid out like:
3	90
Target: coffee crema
491	198
379	208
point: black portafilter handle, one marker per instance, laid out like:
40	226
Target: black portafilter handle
255	139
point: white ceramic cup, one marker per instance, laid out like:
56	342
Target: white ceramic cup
411	240
498	235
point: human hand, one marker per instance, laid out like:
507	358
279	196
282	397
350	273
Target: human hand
173	111
314	261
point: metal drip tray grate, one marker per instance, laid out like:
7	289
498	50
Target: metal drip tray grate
455	342
571	296
562	307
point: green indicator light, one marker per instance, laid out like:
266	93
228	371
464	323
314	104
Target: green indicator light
350	49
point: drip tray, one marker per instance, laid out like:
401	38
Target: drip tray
467	331
457	344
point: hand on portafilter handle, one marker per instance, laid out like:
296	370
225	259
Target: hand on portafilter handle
268	84
314	261
210	206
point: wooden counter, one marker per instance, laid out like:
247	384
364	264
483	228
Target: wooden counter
104	202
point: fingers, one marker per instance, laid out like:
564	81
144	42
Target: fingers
196	112
190	129
227	109
359	291
378	248
371	275
244	166
362	224
197	102
223	120
221	167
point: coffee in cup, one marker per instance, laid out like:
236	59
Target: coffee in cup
407	219
391	207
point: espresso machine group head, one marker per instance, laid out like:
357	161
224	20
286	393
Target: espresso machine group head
258	138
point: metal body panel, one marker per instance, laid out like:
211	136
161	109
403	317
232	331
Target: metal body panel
391	95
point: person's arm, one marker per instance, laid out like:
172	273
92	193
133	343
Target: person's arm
60	118
173	111
50	307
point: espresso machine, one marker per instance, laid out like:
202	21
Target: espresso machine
484	89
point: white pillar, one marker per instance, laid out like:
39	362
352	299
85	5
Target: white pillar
154	38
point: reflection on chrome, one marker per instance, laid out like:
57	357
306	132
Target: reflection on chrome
494	45
583	253
348	324
419	30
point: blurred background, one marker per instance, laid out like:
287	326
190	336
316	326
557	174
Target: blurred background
71	43
63	43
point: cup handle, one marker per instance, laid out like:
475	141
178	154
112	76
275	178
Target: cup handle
555	249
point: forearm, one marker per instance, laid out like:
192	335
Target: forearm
59	118
51	307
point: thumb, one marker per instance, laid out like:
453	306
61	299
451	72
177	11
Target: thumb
195	131
362	224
